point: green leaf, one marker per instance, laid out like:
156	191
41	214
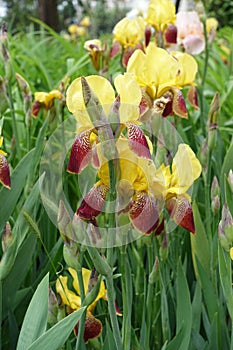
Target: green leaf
196	308
35	320
109	342
183	315
10	197
199	243
225	273
56	336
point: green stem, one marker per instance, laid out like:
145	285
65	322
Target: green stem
149	299
14	123
127	299
112	312
80	341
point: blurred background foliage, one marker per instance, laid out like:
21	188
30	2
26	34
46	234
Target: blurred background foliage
104	14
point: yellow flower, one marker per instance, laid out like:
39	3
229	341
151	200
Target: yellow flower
45	99
85	22
133	189
173	185
188	69
211	24
95	49
72	300
129	32
155	70
161	13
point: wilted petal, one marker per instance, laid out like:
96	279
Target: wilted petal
4	172
180	210
192	97
80	155
93	327
144	213
93	202
137	141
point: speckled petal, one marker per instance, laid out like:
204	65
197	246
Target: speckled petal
92	204
80	154
180	210
137	141
93	328
144	213
4	172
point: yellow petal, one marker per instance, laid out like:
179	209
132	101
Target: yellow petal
130	97
231	253
188	70
161	13
129	32
68	297
74	97
186	168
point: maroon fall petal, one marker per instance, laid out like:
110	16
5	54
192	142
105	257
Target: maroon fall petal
92	204
148	33
36	106
115	49
192	97
180	210
144	213
137	141
93	328
80	155
4	172
178	105
171	34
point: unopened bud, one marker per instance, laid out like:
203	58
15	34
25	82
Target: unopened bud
7	237
154	275
230	179
226	223
215	205
93	279
27	97
215	189
163	251
52	308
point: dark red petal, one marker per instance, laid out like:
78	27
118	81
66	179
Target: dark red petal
137	141
148	33
144	213
171	34
178	104
92	204
115	49
160	228
180	210
93	327
145	106
192	96
4	172
36	106
80	154
127	53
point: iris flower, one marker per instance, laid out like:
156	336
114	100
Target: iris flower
72	300
129	95
172	185
45	99
161	75
4	167
160	14
133	189
94	47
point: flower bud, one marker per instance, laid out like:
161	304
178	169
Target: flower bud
213	118
226	224
230	179
52	308
154	275
7	237
215	199
163	251
27	97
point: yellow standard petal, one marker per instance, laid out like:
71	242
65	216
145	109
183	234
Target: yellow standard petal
151	70
161	13
186	168
188	69
130	97
68	297
75	103
129	32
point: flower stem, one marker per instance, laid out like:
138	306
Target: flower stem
14	123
